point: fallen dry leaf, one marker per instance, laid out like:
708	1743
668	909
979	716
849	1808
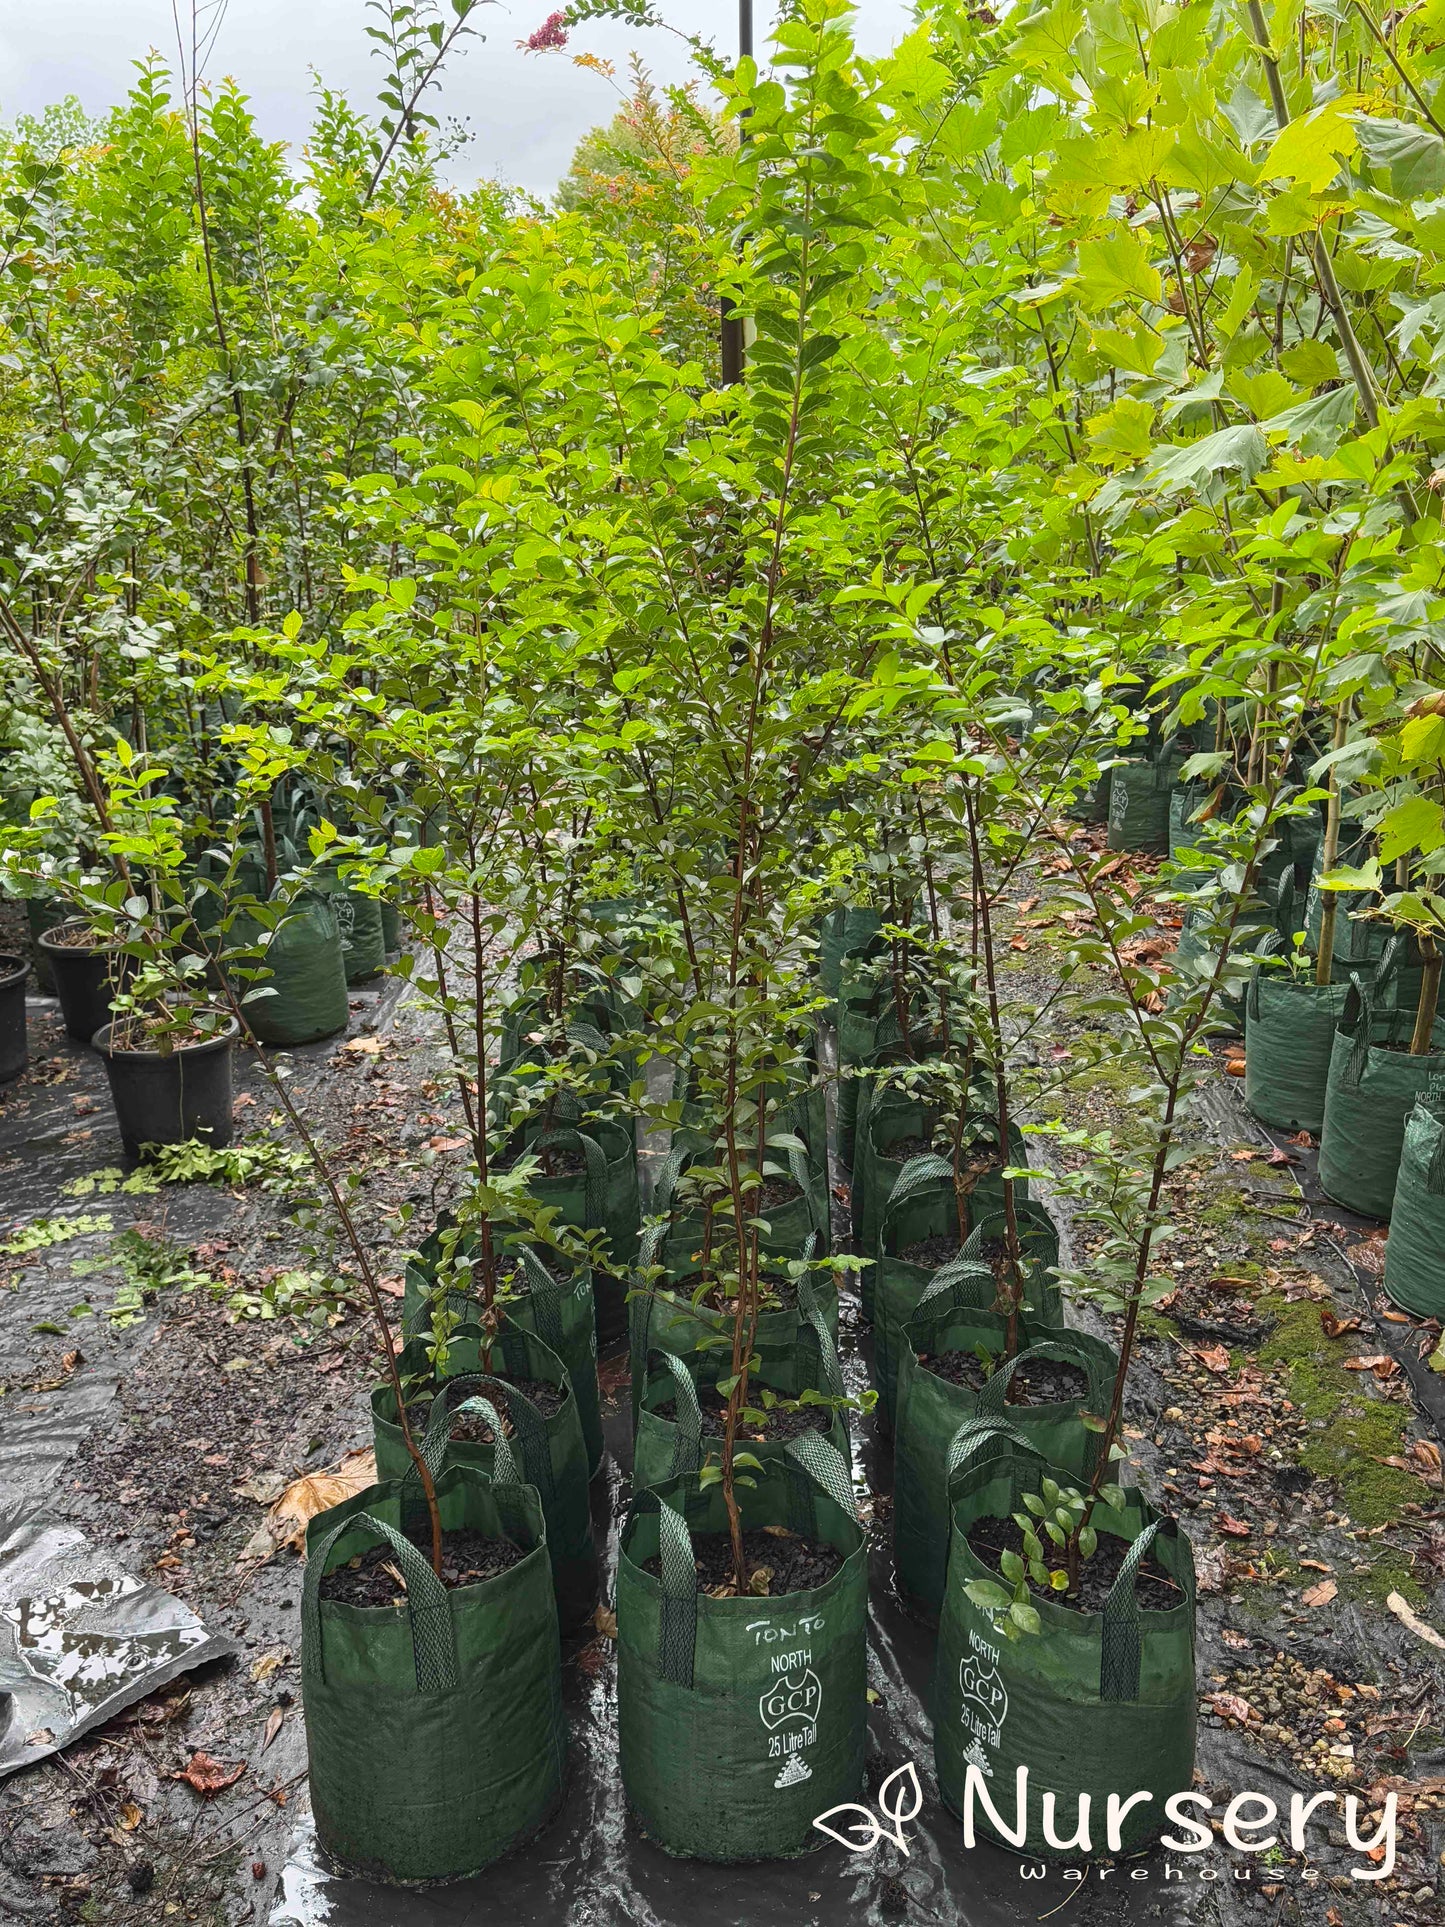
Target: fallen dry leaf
1215	1357
1233	1528
286	1522
1401	1609
363	1046
444	1143
1229	1706
1427	1454
605	1620
131	1816
275	1721
1319	1595
1314	1565
264	1487
1333	1325
268	1665
1380	1363
210	1777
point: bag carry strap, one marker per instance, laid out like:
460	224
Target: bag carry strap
1119	1658
678	1629
830	1368
504	1466
687	1414
977	1442
594	1158
428	1606
544	1293
917	1175
527	1422
959	1275
1358	1020
823	1464
1432	1105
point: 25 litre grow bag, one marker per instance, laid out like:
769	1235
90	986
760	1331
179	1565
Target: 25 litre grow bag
1415	1248
550	1448
923	1205
1094	1703
171	1097
1139	804
846	932
14	1049
673	1446
668	1320
558	1310
304	995
363	940
1372	1088
796	1227
740	1719
930	1411
601	1197
434	1731
86	977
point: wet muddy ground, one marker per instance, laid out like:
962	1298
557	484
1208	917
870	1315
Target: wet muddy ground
150	1401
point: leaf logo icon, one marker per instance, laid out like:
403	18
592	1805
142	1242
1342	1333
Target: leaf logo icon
900	1799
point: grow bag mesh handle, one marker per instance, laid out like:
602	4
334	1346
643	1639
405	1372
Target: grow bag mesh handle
1432	1102
1119	1658
504	1465
961	1275
830	1368
1033	1233
545	1293
687	1413
991	1398
527	1422
1358	1020
594	1159
822	1463
914	1179
967	1453
428	1605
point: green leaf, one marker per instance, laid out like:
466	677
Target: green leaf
1117	269
1025	1617
1311	149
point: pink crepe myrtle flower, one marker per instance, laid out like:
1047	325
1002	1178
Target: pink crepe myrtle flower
550	35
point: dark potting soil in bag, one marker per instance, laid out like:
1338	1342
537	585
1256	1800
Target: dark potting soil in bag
548	1442
931	1408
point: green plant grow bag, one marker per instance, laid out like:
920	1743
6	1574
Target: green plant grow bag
304	996
1415	1248
1099	1703
739	1720
846	931
898	1285
560	1311
930	1411
665	1318
1139	804
602	1197
435	1736
674	1446
1370	1092
926	1207
796	1228
553	1457
363	940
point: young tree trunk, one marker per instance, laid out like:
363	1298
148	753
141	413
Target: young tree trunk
1421	1043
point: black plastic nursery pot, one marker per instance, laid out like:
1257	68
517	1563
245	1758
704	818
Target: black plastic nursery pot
1415	1249
14	1048
1099	1703
1373	1086
931	1409
170	1097
435	1734
86	977
740	1719
559	1310
549	1445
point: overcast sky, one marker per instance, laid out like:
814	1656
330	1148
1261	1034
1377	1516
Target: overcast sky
526	111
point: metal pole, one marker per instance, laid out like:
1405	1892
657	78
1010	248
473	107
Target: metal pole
732	327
